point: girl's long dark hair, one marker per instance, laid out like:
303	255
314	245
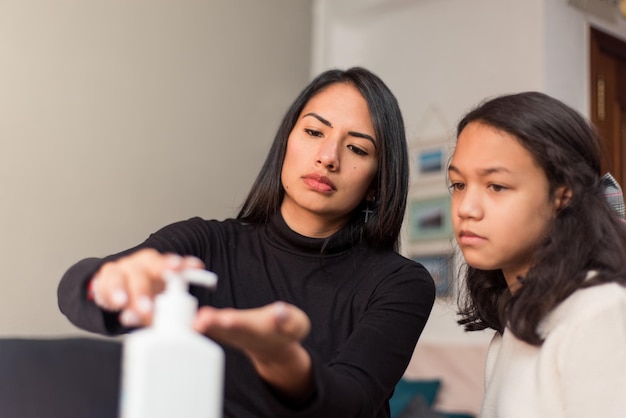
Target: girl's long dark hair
383	227
586	234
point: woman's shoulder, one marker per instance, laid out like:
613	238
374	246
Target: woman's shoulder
198	223
390	257
395	268
197	230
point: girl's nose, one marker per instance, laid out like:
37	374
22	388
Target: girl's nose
328	154
467	205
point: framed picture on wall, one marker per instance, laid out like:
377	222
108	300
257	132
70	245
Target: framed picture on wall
428	162
440	267
429	219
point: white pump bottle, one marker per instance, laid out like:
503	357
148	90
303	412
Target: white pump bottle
168	369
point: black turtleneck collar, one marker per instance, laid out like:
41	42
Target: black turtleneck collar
281	235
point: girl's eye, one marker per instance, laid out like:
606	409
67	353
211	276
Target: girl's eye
497	188
357	150
457	187
313	132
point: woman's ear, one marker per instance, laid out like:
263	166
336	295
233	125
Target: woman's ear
562	197
371	194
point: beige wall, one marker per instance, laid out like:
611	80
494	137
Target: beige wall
118	117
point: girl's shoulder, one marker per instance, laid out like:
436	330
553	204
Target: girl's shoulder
602	301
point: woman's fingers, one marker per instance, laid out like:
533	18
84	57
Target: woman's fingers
291	320
143	272
109	290
259	330
130	284
271	337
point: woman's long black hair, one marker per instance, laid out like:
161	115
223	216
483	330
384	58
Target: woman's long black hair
586	234
383	227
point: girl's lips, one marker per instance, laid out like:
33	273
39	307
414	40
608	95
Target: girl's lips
319	183
470	238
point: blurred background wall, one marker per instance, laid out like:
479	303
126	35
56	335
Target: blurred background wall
119	117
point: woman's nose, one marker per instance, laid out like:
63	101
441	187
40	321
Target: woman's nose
328	154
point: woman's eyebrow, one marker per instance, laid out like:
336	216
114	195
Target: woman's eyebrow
365	136
330	125
321	119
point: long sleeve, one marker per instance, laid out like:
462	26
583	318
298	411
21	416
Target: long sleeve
72	289
356	380
74	303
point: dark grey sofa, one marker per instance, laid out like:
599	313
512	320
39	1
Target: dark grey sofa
59	378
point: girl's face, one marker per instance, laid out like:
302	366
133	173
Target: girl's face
330	162
501	203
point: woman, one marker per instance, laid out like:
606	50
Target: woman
318	232
545	255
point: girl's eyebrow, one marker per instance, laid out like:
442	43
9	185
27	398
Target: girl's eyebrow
330	125
482	172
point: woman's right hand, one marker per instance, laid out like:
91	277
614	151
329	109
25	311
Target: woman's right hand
129	284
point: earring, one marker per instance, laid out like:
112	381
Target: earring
367	211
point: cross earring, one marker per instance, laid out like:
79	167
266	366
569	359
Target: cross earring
367	211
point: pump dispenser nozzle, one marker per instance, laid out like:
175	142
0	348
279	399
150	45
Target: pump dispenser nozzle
194	276
175	306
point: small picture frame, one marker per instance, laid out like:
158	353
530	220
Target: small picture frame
440	267
429	219
428	163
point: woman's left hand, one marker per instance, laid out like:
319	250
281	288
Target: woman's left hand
271	337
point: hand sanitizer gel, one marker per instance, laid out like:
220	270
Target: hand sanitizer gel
168	369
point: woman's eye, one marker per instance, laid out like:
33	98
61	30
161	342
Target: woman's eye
357	150
313	132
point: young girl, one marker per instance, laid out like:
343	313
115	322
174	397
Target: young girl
319	233
546	259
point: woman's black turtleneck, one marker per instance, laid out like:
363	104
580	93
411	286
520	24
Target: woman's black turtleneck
367	309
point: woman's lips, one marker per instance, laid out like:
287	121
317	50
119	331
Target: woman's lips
319	183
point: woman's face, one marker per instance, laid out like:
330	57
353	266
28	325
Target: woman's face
330	161
501	202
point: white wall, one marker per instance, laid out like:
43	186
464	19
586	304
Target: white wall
118	117
442	57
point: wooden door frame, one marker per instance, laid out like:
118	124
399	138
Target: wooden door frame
608	97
